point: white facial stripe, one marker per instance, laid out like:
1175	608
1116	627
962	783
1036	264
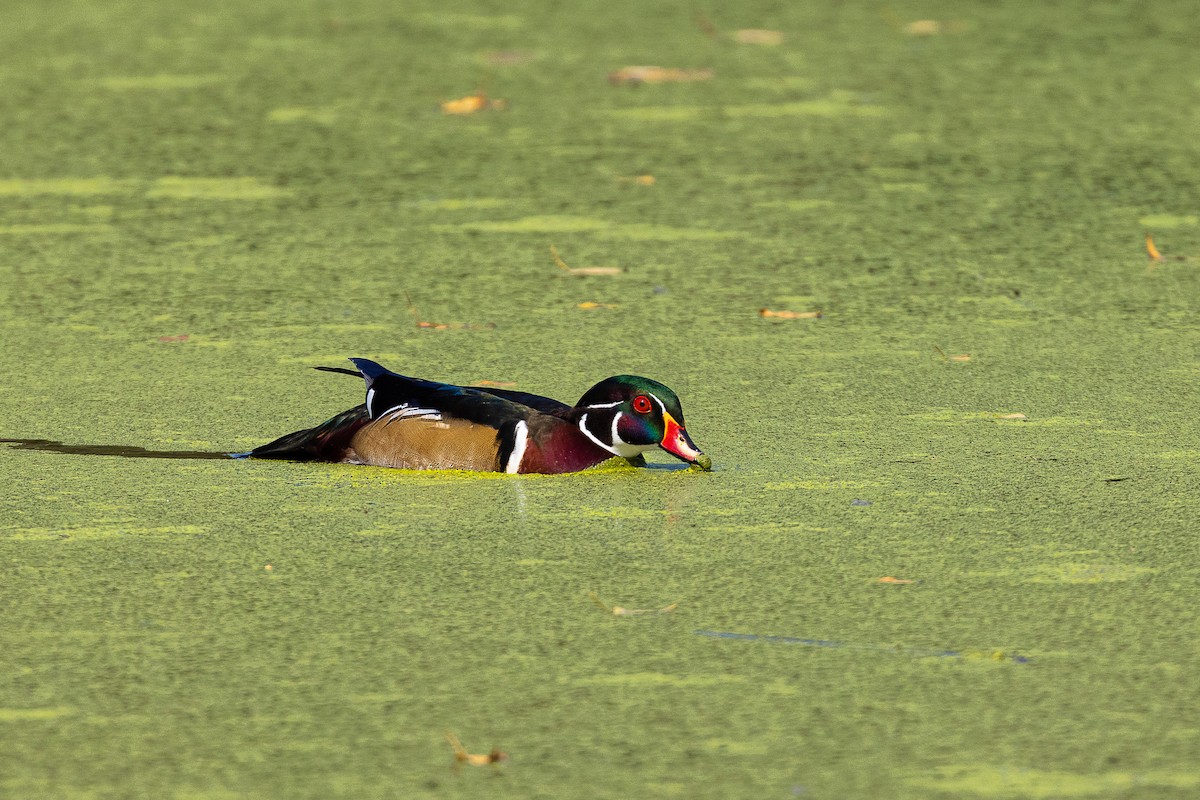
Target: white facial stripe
605	405
616	436
583	427
661	404
520	441
370	400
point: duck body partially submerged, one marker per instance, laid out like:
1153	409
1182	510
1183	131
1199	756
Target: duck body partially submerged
410	423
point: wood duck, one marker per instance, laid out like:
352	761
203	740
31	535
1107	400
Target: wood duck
417	424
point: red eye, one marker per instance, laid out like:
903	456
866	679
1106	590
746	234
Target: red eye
641	404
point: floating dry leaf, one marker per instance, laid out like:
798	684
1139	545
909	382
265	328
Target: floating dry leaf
619	611
1012	416
558	262
890	579
768	313
461	755
268	568
183	337
638	75
960	357
758	36
443	326
471	104
500	384
640	180
588	304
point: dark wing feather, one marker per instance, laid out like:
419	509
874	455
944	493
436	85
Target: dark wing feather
326	442
546	405
473	405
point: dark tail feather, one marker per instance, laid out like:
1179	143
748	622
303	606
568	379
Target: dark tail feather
326	442
342	370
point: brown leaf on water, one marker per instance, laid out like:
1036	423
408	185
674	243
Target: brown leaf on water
558	262
461	756
639	180
588	305
443	326
471	104
456	326
498	384
758	36
959	357
893	580
705	25
183	337
636	76
769	314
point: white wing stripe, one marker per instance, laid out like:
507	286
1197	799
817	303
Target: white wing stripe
408	412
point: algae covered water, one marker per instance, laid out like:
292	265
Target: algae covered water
949	545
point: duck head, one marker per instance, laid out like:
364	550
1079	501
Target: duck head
628	415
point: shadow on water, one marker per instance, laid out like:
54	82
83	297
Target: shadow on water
119	450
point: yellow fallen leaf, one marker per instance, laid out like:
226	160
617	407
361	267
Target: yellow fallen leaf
758	36
768	313
640	180
475	760
1152	250
639	75
890	579
588	304
471	104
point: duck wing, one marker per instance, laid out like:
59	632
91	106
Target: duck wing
546	405
329	441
